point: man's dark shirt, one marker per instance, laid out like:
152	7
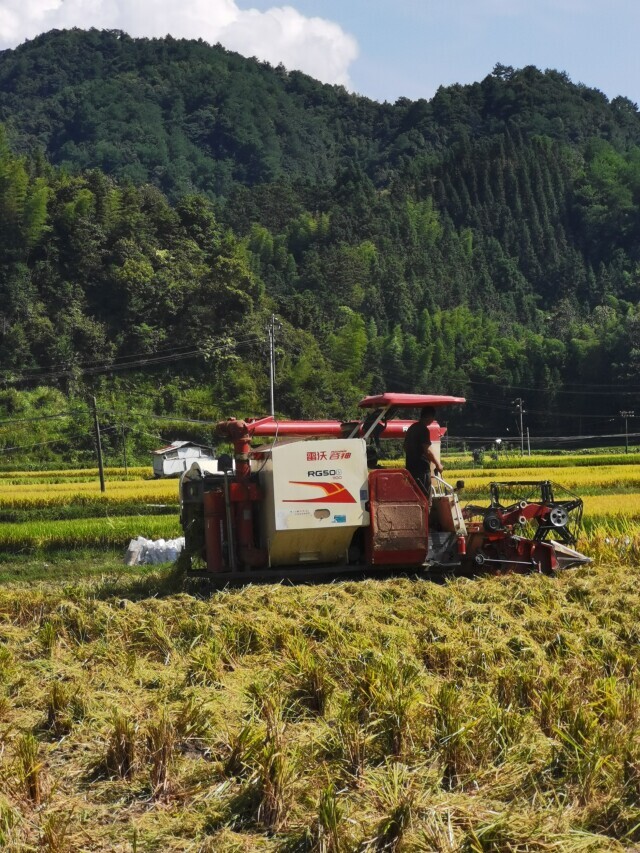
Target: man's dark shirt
416	437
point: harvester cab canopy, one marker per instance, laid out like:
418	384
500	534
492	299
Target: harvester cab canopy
384	407
378	401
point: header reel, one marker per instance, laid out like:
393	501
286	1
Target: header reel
532	504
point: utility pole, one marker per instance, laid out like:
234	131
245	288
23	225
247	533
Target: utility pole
519	403
528	442
273	326
124	450
626	415
96	425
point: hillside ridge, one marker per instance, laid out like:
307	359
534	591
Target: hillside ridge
485	243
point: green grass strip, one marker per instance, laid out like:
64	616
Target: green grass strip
85	533
95	509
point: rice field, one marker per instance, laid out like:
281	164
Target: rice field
70	475
579	459
65	510
613	506
55	510
606	478
61	494
498	715
107	532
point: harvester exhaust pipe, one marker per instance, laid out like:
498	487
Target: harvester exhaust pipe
214	518
231	545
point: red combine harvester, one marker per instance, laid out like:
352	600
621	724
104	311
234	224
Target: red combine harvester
313	504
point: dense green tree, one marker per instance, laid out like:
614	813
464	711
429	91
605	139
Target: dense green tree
482	242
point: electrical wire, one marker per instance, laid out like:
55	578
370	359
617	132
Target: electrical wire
171	418
150	360
505	407
585	388
589	389
149	434
30	446
105	368
512	438
497	405
61	365
40	418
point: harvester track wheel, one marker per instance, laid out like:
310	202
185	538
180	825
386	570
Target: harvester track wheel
479	559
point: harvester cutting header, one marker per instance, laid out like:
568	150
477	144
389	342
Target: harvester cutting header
314	503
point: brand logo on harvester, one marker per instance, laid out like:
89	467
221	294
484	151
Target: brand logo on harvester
331	455
332	493
326	472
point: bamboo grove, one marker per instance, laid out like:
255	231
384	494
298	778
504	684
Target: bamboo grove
482	243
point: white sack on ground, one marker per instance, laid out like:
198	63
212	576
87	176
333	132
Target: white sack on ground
143	551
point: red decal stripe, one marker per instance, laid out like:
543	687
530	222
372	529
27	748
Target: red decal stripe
334	493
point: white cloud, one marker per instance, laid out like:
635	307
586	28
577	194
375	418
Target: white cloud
281	34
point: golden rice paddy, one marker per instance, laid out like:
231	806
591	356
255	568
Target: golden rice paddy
611	494
573	478
499	715
60	494
613	506
70	474
71	512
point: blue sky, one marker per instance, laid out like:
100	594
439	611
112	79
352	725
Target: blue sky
410	47
384	49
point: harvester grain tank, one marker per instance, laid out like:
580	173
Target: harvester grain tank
313	503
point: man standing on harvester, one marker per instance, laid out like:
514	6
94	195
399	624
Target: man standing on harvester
418	452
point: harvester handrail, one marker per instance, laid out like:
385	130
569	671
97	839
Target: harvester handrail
440	487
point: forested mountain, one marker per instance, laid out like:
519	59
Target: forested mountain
486	242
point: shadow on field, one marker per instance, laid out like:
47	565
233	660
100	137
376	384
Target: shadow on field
173	580
157	583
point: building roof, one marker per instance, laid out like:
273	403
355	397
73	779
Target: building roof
175	445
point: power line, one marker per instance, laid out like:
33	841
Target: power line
563	390
504	407
542	437
30	446
149	434
94	371
547	438
119	359
151	416
39	418
588	389
113	367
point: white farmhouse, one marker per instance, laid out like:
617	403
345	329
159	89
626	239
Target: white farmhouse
172	460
